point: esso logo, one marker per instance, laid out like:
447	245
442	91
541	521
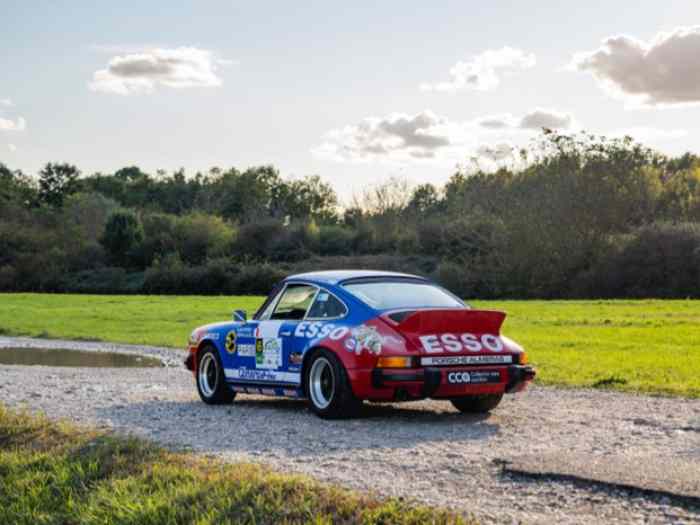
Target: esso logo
435	344
317	329
458	377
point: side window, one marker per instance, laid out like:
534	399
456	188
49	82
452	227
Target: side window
326	306
294	302
269	305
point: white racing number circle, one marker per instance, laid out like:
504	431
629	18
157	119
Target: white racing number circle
458	377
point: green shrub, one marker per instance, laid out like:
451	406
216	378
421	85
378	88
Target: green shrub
122	236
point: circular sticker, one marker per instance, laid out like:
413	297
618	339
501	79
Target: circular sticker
231	342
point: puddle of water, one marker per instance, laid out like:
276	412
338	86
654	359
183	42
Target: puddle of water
78	358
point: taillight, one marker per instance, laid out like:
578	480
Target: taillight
395	362
521	358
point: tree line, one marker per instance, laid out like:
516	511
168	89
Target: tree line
569	216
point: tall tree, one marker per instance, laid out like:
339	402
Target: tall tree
122	236
56	181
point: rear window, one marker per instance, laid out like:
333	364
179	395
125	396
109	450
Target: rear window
386	295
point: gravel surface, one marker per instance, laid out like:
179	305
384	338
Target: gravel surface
425	450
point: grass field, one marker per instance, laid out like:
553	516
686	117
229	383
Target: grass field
57	474
642	346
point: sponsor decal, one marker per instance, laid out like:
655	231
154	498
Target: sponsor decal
458	377
321	330
295	358
466	360
230	343
436	344
474	377
246	350
268	353
290	393
269	391
214	336
246	374
364	337
350	344
246	331
258	350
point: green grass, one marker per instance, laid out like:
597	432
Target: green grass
159	320
650	346
638	346
58	474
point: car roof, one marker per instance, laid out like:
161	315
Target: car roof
337	276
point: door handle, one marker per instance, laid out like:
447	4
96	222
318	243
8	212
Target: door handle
285	333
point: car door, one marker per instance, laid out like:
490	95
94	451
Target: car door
274	335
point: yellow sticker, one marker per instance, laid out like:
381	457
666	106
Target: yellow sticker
231	342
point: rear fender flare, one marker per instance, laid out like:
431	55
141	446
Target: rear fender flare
306	362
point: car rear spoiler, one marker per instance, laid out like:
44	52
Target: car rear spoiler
452	321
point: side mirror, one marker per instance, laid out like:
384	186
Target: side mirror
240	315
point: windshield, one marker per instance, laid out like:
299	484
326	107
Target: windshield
386	295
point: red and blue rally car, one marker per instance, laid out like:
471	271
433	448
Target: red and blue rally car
340	337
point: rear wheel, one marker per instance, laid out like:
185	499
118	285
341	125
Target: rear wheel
328	387
478	404
211	382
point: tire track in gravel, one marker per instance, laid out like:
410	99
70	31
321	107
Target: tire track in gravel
425	450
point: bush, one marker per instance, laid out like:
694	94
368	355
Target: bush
335	240
122	236
257	278
100	281
660	260
257	239
200	237
8	278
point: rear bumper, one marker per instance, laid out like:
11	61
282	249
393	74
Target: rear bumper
399	384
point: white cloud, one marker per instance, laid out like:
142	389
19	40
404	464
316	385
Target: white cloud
535	119
427	137
181	67
12	148
546	118
496	152
482	72
662	72
496	122
398	135
13	125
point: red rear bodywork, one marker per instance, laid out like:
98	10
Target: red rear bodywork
456	352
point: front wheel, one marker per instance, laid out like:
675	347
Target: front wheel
328	387
478	404
211	382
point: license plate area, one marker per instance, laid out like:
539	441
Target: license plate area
472	377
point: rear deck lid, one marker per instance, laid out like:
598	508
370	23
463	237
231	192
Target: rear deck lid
453	331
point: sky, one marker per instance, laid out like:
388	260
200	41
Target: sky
356	92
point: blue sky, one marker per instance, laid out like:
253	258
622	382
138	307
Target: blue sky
333	89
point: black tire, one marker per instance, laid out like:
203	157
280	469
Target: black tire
479	404
211	383
327	380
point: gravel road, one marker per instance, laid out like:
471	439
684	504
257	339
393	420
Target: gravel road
424	451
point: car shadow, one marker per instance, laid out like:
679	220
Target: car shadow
254	426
